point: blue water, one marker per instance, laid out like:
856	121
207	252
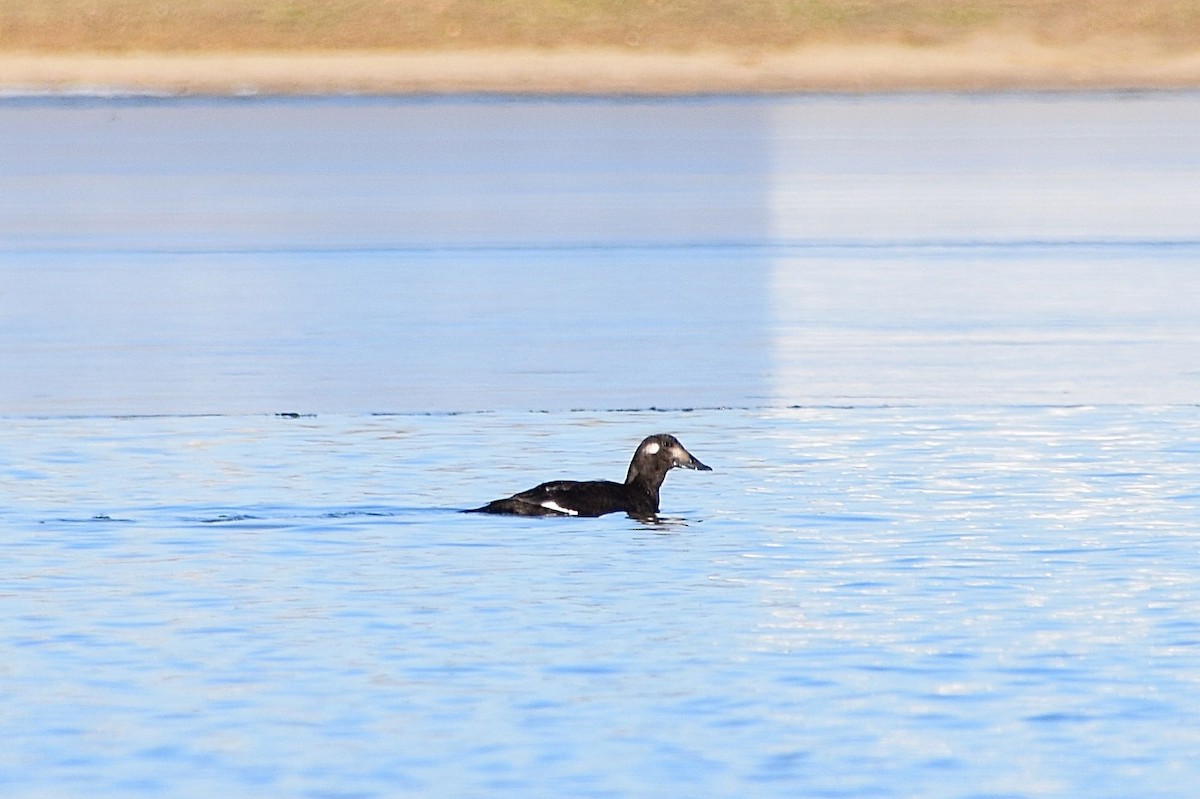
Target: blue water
939	351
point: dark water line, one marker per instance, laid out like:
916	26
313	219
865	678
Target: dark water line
295	415
103	95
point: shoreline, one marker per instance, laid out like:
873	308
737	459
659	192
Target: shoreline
979	63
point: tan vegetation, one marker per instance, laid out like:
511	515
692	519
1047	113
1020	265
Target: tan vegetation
596	45
674	25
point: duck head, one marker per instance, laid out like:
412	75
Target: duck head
657	455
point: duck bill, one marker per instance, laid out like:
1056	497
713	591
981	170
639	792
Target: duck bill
690	462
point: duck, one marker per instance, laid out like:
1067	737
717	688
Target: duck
637	496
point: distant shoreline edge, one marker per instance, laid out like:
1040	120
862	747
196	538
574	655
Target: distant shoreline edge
976	64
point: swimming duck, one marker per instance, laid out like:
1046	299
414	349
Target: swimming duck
637	496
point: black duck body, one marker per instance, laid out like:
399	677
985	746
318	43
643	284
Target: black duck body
637	496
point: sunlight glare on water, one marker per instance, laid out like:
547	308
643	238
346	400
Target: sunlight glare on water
854	600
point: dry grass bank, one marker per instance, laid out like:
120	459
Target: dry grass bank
597	45
174	25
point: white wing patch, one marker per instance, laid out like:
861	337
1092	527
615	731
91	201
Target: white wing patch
651	448
554	506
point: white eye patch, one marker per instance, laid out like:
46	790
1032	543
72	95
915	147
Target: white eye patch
651	448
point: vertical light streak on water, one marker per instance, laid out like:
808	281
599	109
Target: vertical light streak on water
982	325
1020	250
986	168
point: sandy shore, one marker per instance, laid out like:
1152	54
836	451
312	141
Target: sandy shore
978	64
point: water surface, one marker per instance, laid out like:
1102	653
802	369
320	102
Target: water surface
940	352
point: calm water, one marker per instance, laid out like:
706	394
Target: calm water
941	352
